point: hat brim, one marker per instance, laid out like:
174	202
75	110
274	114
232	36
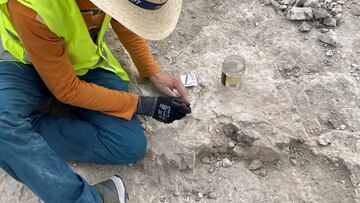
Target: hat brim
149	24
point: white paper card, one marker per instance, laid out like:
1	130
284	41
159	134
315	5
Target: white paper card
189	80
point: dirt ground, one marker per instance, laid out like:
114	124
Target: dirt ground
276	119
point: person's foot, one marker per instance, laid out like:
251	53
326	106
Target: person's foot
112	190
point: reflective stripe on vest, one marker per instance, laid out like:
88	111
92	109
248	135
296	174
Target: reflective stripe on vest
65	20
4	54
11	48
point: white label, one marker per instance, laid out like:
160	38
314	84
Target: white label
189	80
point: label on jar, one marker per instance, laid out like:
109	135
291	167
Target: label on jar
231	82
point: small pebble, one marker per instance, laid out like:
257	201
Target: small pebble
212	195
329	38
325	139
305	27
290	65
255	165
205	160
294	161
211	170
283	7
342	127
324	30
227	163
218	164
329	53
199	197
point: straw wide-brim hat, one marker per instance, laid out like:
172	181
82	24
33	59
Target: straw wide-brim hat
148	23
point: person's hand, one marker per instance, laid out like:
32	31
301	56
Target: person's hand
170	85
164	109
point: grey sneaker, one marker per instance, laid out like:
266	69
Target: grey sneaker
112	190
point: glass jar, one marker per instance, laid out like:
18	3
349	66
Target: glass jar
233	71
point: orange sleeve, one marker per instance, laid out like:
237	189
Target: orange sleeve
138	50
48	55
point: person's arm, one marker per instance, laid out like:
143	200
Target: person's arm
48	55
145	63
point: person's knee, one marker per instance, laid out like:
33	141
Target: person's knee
131	149
136	147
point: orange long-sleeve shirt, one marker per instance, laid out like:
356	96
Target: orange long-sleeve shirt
50	59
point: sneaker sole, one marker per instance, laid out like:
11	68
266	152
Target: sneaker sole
121	189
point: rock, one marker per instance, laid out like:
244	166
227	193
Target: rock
342	127
205	160
329	53
218	164
337	9
355	10
312	3
199	197
289	66
355	66
331	22
255	165
320	13
324	30
283	7
305	27
231	145
300	3
211	170
285	2
329	38
325	139
226	163
338	18
162	198
213	195
293	161
297	13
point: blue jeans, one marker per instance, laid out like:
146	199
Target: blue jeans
33	146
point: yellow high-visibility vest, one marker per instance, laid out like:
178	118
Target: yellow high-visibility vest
64	19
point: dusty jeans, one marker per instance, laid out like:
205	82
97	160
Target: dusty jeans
33	146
